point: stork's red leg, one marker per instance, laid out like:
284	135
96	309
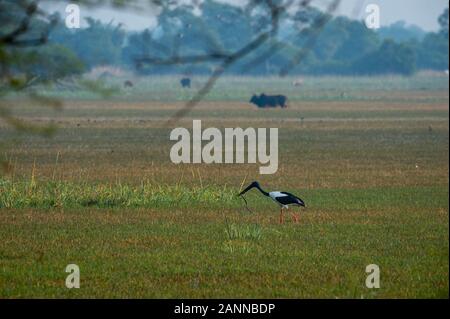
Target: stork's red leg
281	215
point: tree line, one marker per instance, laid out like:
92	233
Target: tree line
343	47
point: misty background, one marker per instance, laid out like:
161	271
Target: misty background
413	37
413	12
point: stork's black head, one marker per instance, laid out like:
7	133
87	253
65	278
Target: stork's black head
249	187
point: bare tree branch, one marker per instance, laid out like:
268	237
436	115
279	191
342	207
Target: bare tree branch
317	27
13	38
276	9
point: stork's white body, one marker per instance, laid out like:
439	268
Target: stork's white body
276	194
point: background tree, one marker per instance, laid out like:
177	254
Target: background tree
391	57
433	50
401	32
443	23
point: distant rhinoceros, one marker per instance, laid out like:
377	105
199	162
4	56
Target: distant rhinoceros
185	82
269	100
128	84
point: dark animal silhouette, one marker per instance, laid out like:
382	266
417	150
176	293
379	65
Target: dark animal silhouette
269	100
128	84
185	82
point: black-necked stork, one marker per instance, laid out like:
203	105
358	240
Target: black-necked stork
281	198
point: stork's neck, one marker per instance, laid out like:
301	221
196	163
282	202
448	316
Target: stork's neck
262	191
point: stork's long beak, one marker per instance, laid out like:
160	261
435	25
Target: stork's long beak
249	187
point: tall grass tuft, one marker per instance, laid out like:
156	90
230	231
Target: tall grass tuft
235	231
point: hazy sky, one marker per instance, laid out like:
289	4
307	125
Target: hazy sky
423	13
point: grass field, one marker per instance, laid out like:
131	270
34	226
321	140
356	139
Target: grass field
368	155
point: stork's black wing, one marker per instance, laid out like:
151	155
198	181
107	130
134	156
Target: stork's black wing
290	199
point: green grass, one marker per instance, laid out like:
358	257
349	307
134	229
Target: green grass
172	242
178	253
370	159
48	195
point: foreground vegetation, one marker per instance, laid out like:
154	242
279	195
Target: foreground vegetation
103	194
193	253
